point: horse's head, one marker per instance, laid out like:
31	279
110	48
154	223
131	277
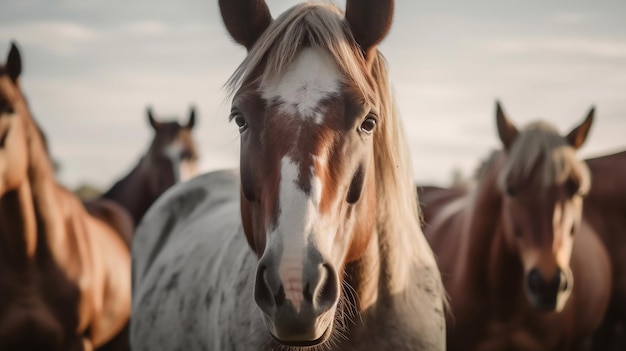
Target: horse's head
543	184
174	144
306	107
13	128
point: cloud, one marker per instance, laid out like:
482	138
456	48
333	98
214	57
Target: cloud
58	37
568	18
593	47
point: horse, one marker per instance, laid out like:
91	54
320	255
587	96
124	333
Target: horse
171	157
605	210
314	242
524	270
64	275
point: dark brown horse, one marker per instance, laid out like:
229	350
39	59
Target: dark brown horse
605	210
524	271
64	275
171	157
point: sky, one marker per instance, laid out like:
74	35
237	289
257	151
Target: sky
90	69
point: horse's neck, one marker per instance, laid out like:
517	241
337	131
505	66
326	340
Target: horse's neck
18	230
50	209
607	179
504	277
134	192
388	272
481	222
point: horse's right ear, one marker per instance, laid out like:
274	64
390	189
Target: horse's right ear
153	122
14	63
578	135
192	118
370	21
245	20
506	130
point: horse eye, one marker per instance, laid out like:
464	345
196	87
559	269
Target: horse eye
186	155
572	187
368	125
240	122
511	191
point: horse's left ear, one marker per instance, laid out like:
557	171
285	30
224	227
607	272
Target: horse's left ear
576	138
506	129
192	118
370	21
245	20
14	63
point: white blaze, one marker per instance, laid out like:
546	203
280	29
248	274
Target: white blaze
312	77
183	169
296	219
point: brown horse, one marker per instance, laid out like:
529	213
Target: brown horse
171	157
523	270
605	210
64	275
315	243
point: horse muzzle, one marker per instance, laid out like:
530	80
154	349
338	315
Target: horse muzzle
298	316
548	293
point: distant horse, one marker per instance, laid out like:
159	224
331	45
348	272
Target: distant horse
64	275
524	271
324	198
605	210
172	157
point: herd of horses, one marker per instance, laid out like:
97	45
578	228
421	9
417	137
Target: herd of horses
320	239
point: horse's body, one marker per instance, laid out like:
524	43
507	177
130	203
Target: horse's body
64	275
487	252
315	241
605	210
170	158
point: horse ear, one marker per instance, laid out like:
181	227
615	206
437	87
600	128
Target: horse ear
506	130
576	138
192	118
153	122
14	63
370	21
245	20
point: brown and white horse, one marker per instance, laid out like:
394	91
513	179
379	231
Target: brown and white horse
171	157
64	275
524	271
316	240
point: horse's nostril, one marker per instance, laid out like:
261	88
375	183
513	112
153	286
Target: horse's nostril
563	282
329	289
535	282
262	291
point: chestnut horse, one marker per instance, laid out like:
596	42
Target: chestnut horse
171	157
524	271
605	210
64	275
316	240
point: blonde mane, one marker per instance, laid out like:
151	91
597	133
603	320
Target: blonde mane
316	25
540	148
323	26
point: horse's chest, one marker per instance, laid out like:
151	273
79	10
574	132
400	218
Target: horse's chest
42	304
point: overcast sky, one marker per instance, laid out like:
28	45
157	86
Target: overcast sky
92	67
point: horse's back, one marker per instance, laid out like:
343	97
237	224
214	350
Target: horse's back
114	215
191	267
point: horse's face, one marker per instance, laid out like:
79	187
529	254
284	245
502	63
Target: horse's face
13	140
307	180
542	206
174	143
